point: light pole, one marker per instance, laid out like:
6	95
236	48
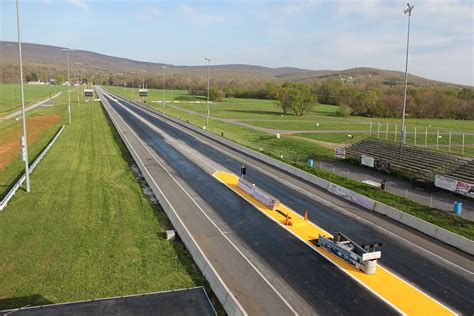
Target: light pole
163	90
408	9
133	77
208	112
143	84
68	50
78	86
24	144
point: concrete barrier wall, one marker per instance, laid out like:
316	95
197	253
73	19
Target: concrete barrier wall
429	229
225	296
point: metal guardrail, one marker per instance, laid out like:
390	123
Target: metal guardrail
18	184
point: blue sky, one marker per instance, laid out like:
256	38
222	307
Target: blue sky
314	34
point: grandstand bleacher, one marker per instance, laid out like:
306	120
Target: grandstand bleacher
411	161
464	172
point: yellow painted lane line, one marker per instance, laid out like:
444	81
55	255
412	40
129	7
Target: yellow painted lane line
396	292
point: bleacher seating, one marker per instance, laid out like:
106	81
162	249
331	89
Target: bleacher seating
463	172
411	161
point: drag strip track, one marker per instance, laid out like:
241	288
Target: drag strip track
318	283
323	288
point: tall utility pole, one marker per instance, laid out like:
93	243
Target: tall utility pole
68	50
408	9
24	144
133	77
163	90
79	77
208	111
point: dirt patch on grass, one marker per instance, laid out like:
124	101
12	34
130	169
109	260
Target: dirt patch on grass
10	137
319	142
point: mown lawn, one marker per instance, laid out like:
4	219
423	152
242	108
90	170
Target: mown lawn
297	151
10	95
15	167
85	230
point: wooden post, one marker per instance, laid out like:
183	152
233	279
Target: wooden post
414	137
396	132
462	145
386	133
437	140
370	130
449	146
426	137
378	130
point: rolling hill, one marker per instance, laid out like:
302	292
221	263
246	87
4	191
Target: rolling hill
47	60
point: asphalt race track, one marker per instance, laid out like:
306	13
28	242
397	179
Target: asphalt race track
322	286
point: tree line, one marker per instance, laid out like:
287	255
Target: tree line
298	98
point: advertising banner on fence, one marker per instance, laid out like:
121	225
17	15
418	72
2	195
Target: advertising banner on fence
352	196
367	161
340	152
445	183
464	188
258	194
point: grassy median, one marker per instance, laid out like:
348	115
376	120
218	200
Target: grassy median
86	230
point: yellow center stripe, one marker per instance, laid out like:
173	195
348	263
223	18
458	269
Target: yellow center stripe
392	289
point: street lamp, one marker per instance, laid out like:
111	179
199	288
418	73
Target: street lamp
143	84
78	86
24	145
207	117
68	50
408	9
133	77
163	90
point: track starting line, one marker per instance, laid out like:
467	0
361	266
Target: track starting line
398	293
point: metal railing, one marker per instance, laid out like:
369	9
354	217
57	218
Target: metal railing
20	181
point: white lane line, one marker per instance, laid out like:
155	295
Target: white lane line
332	205
322	200
211	221
345	212
318	252
172	141
174	210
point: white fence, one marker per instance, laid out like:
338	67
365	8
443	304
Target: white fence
18	184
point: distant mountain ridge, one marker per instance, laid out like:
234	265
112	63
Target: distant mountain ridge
38	56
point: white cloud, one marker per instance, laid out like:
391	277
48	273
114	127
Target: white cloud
197	17
146	13
80	4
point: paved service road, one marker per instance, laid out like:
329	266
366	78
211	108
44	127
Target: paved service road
29	108
321	285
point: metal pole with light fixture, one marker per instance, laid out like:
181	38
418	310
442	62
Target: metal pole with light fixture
408	10
78	86
163	89
68	50
133	78
208	85
24	144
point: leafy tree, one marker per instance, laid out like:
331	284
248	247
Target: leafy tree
329	91
32	77
343	111
295	97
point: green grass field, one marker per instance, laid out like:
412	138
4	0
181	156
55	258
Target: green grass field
266	114
86	230
10	95
297	151
9	174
